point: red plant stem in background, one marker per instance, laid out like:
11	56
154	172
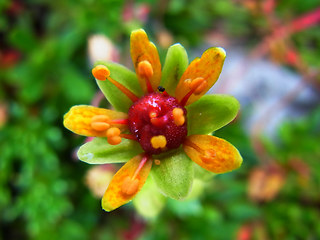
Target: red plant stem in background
268	7
97	99
136	229
305	21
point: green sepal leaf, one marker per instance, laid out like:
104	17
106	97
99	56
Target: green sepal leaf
99	151
197	190
124	76
210	113
201	173
149	201
175	64
174	175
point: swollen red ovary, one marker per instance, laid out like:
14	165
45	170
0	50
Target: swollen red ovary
151	116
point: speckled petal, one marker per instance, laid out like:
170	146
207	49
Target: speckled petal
114	197
79	120
207	67
212	153
142	49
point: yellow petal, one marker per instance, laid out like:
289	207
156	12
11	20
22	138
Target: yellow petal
124	186
92	121
207	67
142	49
212	153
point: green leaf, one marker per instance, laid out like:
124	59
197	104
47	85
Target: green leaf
201	173
124	76
175	65
99	151
174	175
149	201
198	187
210	113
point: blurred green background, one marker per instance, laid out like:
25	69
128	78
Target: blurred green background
45	68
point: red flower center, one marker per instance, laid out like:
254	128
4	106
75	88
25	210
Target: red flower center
159	122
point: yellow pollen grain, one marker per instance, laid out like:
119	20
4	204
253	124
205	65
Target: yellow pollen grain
101	72
158	141
145	69
130	186
178	116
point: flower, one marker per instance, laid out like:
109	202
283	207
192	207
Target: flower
162	121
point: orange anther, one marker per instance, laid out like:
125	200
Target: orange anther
198	85
101	72
145	69
158	141
112	132
178	116
100	118
100	126
115	140
130	186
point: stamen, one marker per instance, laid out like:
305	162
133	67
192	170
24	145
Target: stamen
143	161
114	140
130	186
128	136
205	155
125	90
113	135
119	121
100	123
100	126
102	73
145	71
196	86
158	141
178	116
199	85
194	146
100	118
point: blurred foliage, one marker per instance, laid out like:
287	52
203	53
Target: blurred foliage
44	71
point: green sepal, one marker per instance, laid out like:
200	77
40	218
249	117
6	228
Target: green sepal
198	187
99	151
175	64
174	175
201	173
124	76
149	201
210	113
